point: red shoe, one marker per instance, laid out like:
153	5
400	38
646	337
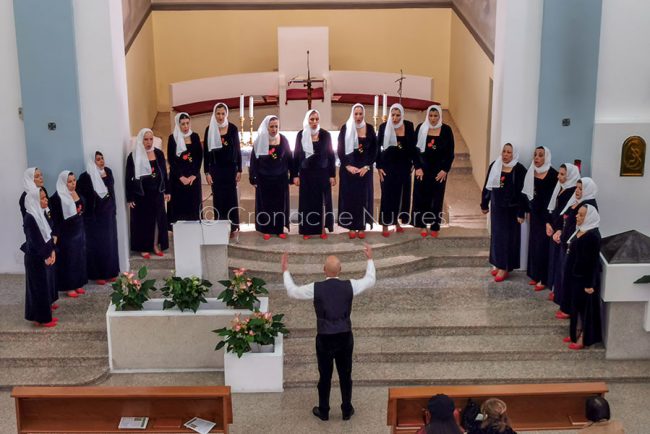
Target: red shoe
266	237
55	306
100	282
575	346
540	287
362	235
494	272
306	237
283	236
55	319
434	234
561	315
80	291
498	278
551	296
352	235
385	234
46	324
423	234
323	236
567	339
146	255
112	279
532	282
399	229
159	253
73	294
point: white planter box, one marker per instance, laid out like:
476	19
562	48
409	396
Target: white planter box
157	340
256	372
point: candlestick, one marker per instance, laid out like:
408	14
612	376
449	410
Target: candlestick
241	126
376	105
384	118
250	109
241	107
250	141
384	109
374	120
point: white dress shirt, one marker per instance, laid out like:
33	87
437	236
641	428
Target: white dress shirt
306	292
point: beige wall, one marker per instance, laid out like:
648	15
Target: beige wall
195	44
470	72
141	79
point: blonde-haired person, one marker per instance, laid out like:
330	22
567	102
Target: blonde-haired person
495	419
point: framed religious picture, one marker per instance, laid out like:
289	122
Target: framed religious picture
633	156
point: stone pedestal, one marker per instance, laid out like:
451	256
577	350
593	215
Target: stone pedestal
256	372
190	240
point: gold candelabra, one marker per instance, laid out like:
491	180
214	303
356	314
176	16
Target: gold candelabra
241	129
250	140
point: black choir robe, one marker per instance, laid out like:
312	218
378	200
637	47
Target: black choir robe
101	228
506	204
557	252
315	211
149	214
71	269
21	201
538	246
270	174
397	162
429	194
185	203
568	228
356	193
583	271
223	165
39	278
54	288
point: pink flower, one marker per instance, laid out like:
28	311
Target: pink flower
237	327
268	316
252	333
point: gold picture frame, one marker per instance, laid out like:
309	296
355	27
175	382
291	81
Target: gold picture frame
633	156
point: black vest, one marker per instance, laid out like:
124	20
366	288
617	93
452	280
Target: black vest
333	304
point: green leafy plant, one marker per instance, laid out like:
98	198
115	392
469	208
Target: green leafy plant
237	338
241	290
266	327
185	292
131	291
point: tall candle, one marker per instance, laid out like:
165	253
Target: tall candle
241	105
250	107
376	105
384	109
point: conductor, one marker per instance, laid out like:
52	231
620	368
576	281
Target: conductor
334	341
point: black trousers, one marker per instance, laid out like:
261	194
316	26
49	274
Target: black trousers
329	349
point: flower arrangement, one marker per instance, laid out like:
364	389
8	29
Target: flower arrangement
186	293
131	291
266	327
261	328
241	290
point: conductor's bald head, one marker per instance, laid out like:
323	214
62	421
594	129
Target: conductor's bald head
332	266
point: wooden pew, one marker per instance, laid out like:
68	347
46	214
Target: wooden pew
99	409
531	407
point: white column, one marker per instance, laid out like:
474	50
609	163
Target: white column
14	158
103	95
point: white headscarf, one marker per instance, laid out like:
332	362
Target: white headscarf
67	202
96	177
589	191
307	132
214	137
592	221
28	179
179	136
572	177
390	138
140	159
33	207
426	125
261	145
529	181
351	135
494	178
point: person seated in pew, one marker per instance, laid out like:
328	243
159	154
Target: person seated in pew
495	419
597	412
441	416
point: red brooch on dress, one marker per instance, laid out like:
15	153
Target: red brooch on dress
79	208
431	144
399	145
224	142
272	153
503	180
360	148
153	171
187	156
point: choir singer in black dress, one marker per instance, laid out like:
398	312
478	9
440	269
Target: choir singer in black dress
582	279
147	190
185	155
314	172
97	186
357	151
332	300
538	187
433	159
502	197
269	173
40	257
32	178
223	165
568	177
68	209
394	165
